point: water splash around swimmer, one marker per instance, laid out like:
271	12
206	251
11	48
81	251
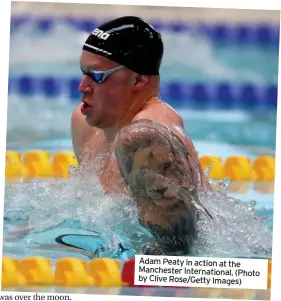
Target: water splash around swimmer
235	230
80	202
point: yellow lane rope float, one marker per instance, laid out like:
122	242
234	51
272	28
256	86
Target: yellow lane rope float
71	272
240	170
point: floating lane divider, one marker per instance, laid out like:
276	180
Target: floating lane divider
223	95
73	272
69	272
239	170
39	164
256	34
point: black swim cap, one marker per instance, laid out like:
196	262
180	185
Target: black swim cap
129	41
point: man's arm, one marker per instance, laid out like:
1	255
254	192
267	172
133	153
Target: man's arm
157	168
175	123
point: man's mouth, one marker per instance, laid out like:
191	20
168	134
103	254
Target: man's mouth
85	108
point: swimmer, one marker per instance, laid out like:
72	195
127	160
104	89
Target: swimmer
121	114
142	140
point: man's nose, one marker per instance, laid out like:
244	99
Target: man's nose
86	85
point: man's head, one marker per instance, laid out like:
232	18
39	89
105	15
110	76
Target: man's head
129	52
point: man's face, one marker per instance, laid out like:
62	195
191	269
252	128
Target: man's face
105	104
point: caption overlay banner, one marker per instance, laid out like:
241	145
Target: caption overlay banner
201	272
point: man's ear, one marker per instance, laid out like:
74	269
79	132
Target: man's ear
140	81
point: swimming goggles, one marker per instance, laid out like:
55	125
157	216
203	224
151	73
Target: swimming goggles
99	77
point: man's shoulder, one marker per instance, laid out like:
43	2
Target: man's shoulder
162	113
165	115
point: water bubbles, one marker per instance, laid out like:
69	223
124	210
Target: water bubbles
227	226
234	230
100	251
207	171
79	200
253	203
79	194
226	183
14	214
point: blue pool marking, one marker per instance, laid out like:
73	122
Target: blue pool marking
93	244
242	34
84	243
223	95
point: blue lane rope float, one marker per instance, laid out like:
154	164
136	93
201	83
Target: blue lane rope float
259	34
224	95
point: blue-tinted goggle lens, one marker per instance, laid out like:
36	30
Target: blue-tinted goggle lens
99	77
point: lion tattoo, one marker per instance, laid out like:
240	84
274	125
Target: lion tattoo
163	180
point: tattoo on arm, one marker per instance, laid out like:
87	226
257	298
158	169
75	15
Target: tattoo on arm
158	170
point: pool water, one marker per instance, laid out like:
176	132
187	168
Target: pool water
46	209
79	206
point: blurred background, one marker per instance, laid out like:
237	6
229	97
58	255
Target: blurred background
219	70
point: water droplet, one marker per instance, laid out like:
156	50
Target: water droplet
226	182
253	203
